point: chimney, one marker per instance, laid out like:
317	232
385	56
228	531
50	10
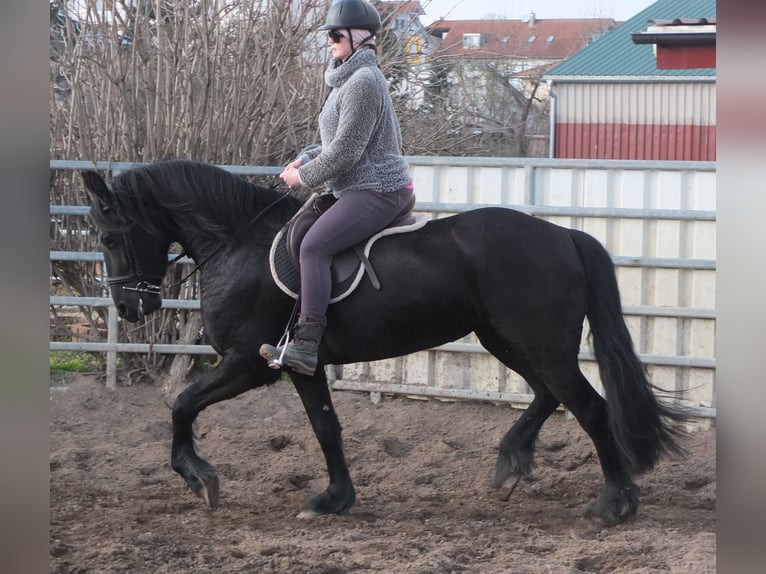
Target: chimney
532	19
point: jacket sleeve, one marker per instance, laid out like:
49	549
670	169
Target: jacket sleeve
309	154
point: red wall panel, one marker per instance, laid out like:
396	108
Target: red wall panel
631	141
685	57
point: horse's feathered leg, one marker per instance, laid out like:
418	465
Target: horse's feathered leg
618	500
315	395
233	376
517	448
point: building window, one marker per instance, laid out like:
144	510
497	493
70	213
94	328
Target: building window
550	39
471	41
532	39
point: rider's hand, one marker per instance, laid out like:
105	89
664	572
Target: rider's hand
291	176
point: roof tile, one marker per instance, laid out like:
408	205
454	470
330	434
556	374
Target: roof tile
546	39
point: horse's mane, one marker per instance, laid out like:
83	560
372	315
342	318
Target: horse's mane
203	197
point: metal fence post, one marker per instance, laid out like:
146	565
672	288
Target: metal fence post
112	335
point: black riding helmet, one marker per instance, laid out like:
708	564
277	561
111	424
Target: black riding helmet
348	14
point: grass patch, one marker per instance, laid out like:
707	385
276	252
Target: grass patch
73	362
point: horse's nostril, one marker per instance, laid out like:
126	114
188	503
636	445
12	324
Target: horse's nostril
122	310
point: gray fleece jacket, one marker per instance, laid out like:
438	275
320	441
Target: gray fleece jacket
361	141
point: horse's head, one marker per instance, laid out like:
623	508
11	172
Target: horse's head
136	260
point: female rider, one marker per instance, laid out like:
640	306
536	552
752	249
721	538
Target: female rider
360	161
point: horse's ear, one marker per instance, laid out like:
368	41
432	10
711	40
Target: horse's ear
96	185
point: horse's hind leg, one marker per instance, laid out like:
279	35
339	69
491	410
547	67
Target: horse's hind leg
517	448
618	500
315	395
230	378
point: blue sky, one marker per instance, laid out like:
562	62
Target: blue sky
515	9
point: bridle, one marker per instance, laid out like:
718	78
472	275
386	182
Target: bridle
136	273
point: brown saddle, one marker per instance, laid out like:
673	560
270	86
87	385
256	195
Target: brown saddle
348	266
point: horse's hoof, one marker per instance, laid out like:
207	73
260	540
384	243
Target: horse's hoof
506	488
604	517
211	492
329	502
510	467
307	514
614	506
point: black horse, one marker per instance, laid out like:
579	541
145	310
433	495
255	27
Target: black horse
523	285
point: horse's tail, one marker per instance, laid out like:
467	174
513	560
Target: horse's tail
641	427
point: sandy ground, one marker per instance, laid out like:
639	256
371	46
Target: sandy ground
422	471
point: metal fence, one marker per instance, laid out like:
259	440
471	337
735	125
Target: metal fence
656	218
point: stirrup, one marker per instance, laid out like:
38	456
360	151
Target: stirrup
276	363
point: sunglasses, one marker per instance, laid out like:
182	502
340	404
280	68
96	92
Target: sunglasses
335	36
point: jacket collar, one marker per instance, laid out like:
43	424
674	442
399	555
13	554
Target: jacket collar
336	77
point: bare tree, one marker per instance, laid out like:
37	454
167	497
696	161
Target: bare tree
235	82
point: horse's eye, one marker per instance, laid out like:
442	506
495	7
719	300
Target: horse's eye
108	240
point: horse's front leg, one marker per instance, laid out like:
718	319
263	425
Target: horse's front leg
315	395
233	376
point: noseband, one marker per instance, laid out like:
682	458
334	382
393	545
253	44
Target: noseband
141	286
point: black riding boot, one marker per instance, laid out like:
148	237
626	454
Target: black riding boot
300	354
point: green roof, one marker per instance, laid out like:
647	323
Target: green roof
615	54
